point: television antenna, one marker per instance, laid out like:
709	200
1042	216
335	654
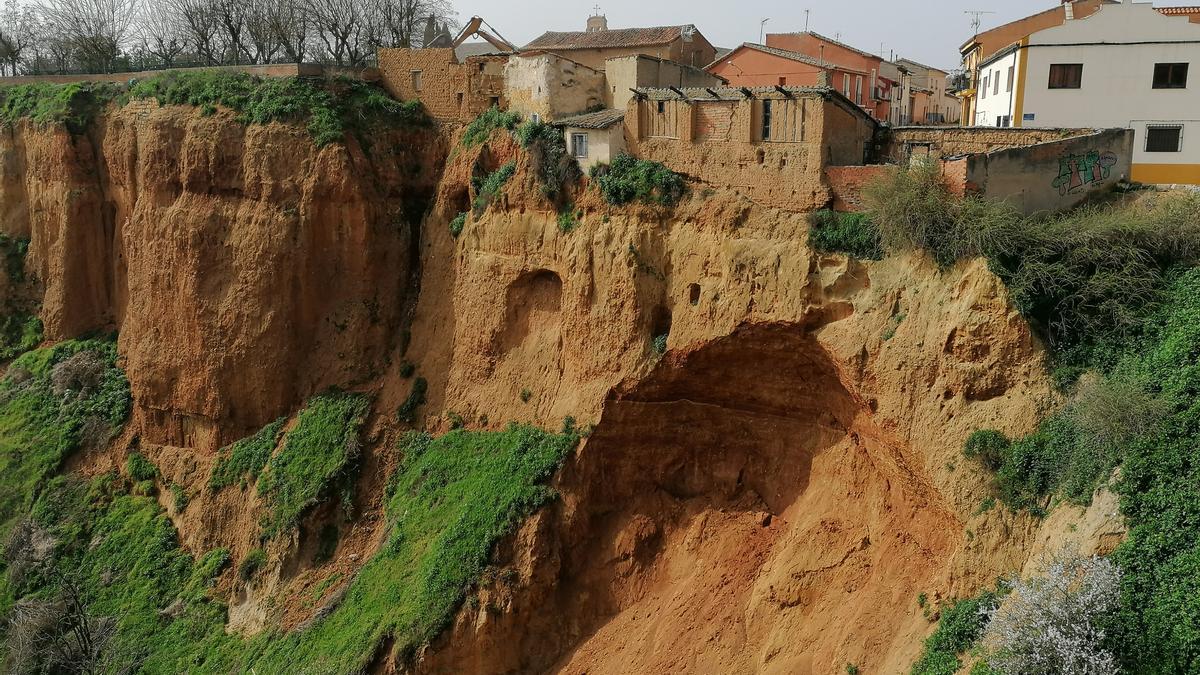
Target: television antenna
975	17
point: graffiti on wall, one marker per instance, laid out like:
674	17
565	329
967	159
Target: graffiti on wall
1078	170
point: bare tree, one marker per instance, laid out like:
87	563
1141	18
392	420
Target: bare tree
164	33
18	33
96	29
263	42
60	635
291	26
402	22
203	26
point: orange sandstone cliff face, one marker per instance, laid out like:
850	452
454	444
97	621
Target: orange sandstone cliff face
770	495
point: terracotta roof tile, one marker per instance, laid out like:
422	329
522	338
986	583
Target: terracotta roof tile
619	37
1177	10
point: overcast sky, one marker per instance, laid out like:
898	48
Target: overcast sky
928	31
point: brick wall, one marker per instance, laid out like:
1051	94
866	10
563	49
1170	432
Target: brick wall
847	183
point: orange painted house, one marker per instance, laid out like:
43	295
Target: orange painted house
755	65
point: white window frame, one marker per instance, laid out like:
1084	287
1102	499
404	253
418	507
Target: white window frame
579	140
846	84
858	90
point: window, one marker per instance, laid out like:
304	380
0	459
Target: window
579	143
1011	72
984	90
846	85
662	107
858	89
495	101
1004	121
766	128
996	82
536	118
782	81
1066	75
1170	75
416	80
1164	138
459	96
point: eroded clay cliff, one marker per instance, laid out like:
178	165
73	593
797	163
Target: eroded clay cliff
769	495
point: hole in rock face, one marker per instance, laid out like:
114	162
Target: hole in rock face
532	305
660	322
736	511
694	294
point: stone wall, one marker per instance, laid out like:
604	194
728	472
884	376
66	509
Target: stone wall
638	71
451	91
848	182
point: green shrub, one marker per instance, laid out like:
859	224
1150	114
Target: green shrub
480	129
330	107
457	224
489	188
407	412
1084	277
854	234
407	369
14	250
568	218
547	148
139	468
252	563
958	629
989	446
628	179
659	344
73	105
321	449
246	458
526	394
19	333
179	498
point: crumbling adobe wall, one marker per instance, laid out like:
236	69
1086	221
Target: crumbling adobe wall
551	86
954	141
451	91
719	143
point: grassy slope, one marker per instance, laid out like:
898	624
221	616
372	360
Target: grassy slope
448	503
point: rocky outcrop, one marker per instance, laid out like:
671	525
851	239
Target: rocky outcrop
244	267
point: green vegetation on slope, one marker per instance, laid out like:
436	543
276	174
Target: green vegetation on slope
244	460
72	105
629	179
488	188
850	233
331	108
959	627
547	148
319	451
52	401
19	332
480	129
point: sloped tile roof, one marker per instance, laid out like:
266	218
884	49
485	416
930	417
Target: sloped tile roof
602	119
601	39
786	53
1170	11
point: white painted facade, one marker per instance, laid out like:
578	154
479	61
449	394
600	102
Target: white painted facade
996	97
1116	87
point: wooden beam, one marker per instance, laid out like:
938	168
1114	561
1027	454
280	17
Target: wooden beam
714	94
747	93
783	91
641	96
679	91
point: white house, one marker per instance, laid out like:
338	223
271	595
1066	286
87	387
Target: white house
1126	65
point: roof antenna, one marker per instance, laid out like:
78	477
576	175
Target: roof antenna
975	20
806	21
762	26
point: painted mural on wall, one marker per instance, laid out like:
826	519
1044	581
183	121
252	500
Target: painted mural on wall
1078	170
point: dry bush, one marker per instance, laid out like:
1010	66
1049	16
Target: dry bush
59	635
81	374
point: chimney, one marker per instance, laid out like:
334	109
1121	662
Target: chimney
597	22
1069	9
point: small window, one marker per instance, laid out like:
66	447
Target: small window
495	101
416	80
858	89
983	92
766	128
1163	138
579	146
481	67
536	118
1170	75
1066	75
996	83
846	85
662	107
1011	73
782	81
459	96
